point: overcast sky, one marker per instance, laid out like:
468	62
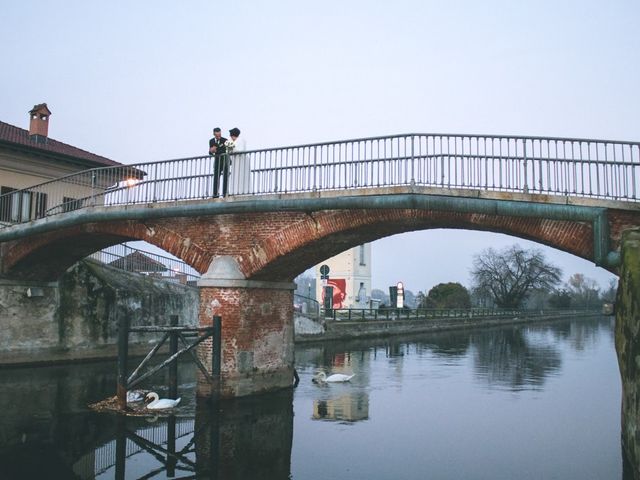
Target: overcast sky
145	81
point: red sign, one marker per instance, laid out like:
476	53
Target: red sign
339	291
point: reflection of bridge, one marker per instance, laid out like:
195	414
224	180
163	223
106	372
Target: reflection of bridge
304	204
156	440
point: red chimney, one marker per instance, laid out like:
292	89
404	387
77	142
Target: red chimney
39	126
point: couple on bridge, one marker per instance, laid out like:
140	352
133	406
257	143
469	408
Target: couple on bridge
234	168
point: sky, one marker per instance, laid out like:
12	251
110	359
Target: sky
145	81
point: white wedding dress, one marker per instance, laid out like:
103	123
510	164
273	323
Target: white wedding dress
240	172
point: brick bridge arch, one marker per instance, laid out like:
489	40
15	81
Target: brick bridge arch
275	245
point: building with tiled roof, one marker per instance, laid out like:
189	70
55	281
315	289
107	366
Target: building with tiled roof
31	157
36	141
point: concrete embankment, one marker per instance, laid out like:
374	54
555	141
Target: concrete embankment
76	318
344	330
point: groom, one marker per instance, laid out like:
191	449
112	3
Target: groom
220	164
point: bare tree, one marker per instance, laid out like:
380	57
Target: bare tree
510	275
609	295
585	291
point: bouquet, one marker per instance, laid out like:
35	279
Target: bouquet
230	145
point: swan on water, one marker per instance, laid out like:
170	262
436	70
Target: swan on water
321	377
157	403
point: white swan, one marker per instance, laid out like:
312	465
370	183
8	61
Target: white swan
321	377
157	403
134	396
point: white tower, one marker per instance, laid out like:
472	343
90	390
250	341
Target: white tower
350	277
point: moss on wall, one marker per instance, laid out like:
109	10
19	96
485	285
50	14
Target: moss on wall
94	295
628	344
81	313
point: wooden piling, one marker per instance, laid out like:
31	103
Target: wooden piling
216	356
173	366
123	353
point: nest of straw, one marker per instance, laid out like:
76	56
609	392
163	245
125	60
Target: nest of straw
137	409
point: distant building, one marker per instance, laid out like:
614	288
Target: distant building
31	157
350	277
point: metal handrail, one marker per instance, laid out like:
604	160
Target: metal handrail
603	169
307	306
384	314
131	259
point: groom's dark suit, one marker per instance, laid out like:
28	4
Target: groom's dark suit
220	165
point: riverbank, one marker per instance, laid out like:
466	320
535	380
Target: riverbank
307	331
61	356
329	330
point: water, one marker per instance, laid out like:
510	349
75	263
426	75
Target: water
533	402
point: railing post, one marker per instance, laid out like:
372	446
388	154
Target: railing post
173	367
413	161
315	172
93	188
123	352
526	183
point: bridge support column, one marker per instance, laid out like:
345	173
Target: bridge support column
628	345
257	331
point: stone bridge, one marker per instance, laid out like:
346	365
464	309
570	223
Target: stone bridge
301	205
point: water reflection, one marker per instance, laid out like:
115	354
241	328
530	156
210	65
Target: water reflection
507	358
343	402
519	357
423	388
47	431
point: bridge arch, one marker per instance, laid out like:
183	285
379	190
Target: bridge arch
46	257
309	241
274	245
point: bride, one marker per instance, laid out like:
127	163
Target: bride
240	172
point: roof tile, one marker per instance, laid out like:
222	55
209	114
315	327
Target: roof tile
20	137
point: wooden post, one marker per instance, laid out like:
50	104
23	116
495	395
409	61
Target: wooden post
173	366
216	354
123	353
121	447
171	446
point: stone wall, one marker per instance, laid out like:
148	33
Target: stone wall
27	319
77	316
628	345
343	330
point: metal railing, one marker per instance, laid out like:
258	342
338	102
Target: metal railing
384	314
602	169
306	306
131	259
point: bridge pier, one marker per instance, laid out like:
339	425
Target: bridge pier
257	331
628	345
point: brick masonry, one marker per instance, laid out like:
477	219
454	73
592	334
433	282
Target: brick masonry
280	245
257	338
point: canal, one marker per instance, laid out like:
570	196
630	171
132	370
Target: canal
526	402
